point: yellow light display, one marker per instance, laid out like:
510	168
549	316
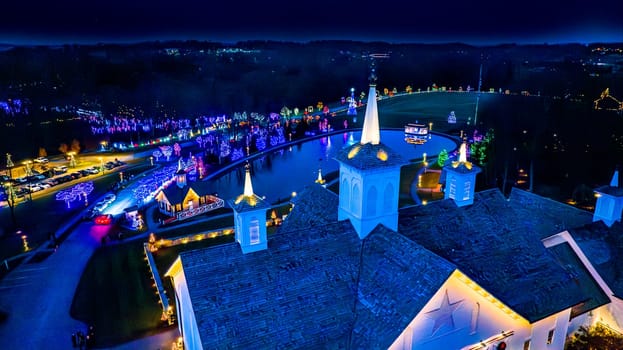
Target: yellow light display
353	152
478	289
381	155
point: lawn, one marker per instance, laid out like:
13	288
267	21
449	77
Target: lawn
116	296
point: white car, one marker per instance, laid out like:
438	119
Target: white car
109	198
35	188
42	160
99	206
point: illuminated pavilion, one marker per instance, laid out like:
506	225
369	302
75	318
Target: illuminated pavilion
354	271
187	199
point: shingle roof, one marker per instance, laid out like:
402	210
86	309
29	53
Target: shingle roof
495	241
244	203
304	290
603	246
319	207
398	278
296	294
369	156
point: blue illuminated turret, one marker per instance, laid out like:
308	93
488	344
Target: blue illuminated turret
460	179
609	201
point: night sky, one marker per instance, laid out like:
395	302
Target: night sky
473	22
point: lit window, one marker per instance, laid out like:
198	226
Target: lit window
526	345
550	336
254	232
467	190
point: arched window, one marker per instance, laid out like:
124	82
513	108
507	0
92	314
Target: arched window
355	202
388	198
371	202
344	193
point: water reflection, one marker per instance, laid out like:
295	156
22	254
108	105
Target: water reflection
278	174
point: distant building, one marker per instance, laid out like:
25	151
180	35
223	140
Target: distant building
184	200
473	271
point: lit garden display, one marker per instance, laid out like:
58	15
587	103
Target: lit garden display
77	192
161	178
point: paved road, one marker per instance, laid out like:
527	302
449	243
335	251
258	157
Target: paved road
37	296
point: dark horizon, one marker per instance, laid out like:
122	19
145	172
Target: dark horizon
484	23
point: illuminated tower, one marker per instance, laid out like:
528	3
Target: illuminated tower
460	179
180	175
369	176
609	201
352	105
250	218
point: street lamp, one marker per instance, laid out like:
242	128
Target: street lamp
101	164
28	166
121	176
72	160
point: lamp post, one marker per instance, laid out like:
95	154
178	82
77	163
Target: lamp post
28	167
101	164
10	199
151	160
72	160
9	164
121	176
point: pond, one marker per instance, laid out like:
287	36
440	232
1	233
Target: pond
279	173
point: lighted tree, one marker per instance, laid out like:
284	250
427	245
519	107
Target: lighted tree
285	112
442	158
178	149
594	338
63	148
167	151
479	151
157	154
75	146
42	152
408	89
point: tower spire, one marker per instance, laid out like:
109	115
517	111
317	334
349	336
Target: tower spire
615	179
371	132
248	186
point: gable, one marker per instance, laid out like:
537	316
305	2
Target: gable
460	313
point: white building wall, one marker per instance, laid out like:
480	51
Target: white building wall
354	199
470	316
186	316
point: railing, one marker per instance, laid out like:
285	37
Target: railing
164	301
218	203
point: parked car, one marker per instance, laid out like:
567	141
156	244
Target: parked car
99	206
51	182
93	170
105	219
21	180
109	198
41	160
35	188
60	169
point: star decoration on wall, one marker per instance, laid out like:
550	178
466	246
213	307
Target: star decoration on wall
443	315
